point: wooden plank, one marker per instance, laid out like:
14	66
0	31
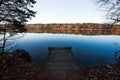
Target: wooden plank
60	65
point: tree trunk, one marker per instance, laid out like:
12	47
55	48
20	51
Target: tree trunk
4	40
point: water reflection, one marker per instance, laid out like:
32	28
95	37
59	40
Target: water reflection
84	29
87	49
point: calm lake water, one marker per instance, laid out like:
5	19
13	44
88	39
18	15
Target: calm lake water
95	49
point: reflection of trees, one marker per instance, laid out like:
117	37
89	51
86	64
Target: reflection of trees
73	31
117	52
117	55
84	29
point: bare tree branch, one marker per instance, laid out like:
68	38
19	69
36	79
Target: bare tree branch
112	7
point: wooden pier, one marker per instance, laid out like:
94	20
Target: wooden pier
60	65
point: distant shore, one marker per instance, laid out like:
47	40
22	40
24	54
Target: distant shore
84	29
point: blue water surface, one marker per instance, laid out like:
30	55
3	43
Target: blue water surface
87	49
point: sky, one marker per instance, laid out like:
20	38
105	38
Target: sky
67	11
